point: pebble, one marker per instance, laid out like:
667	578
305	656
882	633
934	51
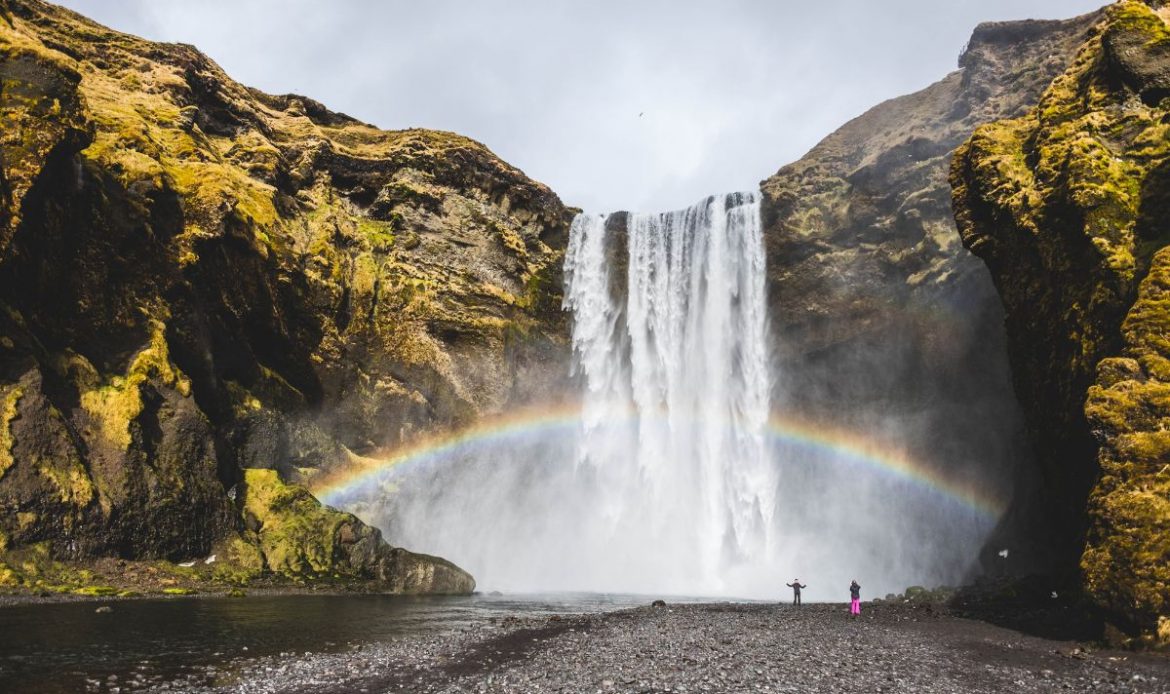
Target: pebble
702	648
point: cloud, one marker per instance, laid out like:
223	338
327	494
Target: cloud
728	91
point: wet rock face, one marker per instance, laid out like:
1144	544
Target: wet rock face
199	279
882	319
1067	207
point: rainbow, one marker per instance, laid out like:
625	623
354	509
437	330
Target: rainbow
531	424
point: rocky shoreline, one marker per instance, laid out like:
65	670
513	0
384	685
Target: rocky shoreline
708	648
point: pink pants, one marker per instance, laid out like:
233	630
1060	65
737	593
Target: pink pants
855	607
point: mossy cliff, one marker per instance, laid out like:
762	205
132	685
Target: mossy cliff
199	281
1068	206
883	321
298	537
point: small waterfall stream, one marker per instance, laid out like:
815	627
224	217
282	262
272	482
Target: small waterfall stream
674	372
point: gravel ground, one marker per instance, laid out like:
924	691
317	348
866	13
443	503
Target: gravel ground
712	648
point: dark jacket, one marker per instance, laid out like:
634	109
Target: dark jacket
795	587
855	591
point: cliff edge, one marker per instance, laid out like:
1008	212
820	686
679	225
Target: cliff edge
883	321
210	295
1067	205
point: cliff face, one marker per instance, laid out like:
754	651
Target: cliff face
881	317
200	281
211	296
1067	205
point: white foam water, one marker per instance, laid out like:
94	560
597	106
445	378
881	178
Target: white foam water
671	483
675	381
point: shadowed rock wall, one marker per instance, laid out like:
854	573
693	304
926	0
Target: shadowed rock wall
1067	205
883	322
198	280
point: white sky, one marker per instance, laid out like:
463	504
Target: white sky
730	90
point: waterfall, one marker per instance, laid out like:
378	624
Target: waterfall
672	359
667	479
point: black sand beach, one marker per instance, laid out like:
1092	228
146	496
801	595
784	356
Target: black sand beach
713	648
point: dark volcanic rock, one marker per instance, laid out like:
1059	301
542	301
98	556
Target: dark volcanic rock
883	320
707	648
1143	66
1067	205
199	279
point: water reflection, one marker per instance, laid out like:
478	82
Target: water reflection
68	648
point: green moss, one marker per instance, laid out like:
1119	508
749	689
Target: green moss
1123	407
179	591
1081	148
25	519
254	153
1124	562
297	534
65	471
8	412
365	274
414	193
8	576
1134	16
1062	190
508	238
997	152
118	402
214	184
161	118
1130	572
29	563
240	561
379	234
98	591
541	291
1147	326
138	136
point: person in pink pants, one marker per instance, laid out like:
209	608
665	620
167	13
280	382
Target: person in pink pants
855	595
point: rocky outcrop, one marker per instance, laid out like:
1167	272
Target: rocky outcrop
883	321
1067	205
199	281
298	537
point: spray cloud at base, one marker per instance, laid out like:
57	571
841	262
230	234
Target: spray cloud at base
669	475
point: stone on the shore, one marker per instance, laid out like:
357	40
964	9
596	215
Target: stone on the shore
715	648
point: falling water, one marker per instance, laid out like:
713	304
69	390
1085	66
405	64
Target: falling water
671	482
674	372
